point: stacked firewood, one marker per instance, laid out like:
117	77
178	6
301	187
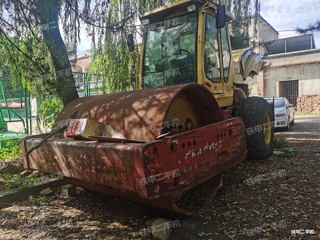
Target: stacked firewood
308	103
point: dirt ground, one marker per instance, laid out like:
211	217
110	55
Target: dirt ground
268	199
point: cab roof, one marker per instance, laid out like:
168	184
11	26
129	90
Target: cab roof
178	8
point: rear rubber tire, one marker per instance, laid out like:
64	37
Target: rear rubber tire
252	111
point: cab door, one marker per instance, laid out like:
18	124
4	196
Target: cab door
227	64
210	72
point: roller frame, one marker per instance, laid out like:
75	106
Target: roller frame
200	155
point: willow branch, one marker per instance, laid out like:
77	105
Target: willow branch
98	26
36	64
30	27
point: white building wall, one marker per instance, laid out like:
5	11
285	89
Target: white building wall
308	75
264	33
303	66
309	87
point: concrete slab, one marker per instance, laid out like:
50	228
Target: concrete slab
69	190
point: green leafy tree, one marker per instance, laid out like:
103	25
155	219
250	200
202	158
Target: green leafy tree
30	34
243	12
38	55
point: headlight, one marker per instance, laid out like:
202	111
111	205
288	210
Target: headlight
192	8
145	21
280	114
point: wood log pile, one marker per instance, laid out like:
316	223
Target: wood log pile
308	103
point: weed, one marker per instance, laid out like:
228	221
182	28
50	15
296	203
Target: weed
291	163
279	143
14	181
304	113
282	165
12	150
37	200
281	146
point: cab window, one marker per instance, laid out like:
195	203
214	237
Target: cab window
170	56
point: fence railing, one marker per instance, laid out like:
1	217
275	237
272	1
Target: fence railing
88	84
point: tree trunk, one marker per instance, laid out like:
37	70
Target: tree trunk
48	12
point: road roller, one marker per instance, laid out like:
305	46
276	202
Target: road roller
189	120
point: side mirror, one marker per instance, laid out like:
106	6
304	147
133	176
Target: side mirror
221	16
130	42
290	105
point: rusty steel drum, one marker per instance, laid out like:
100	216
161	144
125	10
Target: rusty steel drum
145	114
